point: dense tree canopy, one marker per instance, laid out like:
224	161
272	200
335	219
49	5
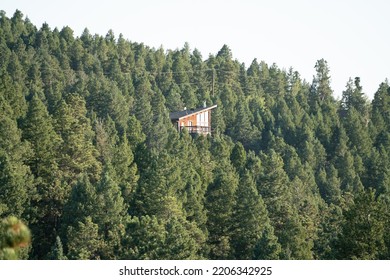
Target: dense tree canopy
91	163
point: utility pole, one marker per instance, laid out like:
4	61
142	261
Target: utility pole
213	84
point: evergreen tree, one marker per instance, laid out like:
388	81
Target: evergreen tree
238	157
380	112
243	131
110	215
321	83
142	106
57	251
84	242
126	171
81	202
183	240
362	235
16	186
267	247
249	218
353	97
356	128
220	199
284	217
78	153
47	205
145	239
14	235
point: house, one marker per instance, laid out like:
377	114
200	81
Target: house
196	121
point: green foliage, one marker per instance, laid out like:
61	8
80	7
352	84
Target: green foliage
78	153
90	159
57	251
250	219
14	235
84	240
363	232
145	239
220	201
15	178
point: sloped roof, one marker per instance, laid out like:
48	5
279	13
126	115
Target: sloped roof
181	114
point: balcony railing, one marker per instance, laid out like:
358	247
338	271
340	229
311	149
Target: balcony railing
197	129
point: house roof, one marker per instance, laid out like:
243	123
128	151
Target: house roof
181	114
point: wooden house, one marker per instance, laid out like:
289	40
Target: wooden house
196	121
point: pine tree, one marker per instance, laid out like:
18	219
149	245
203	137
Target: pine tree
106	137
84	242
274	188
47	205
249	218
380	112
243	131
142	106
328	232
57	251
81	202
362	235
110	214
329	185
158	188
16	186
14	235
356	128
38	130
157	135
321	82
267	247
126	171
238	157
353	97
78	153
220	200
145	239
183	240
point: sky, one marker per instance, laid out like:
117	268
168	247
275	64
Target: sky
351	35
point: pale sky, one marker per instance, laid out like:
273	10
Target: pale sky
352	35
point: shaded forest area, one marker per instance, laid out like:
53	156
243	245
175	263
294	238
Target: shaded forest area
90	161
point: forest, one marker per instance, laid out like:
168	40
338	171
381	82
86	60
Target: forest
92	166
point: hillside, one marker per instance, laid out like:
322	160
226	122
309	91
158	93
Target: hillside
91	162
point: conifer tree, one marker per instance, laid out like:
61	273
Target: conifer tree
47	205
110	214
283	215
183	241
249	218
38	130
78	153
380	112
357	132
126	171
142	105
84	242
243	131
321	83
14	235
238	157
16	186
220	199
157	135
353	97
362	235
57	251
145	239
